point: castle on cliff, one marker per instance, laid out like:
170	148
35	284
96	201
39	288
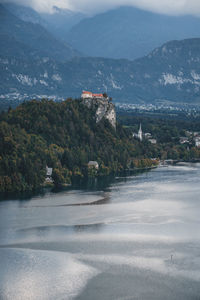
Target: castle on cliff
86	95
102	106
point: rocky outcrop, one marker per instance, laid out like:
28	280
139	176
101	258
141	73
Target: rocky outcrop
104	109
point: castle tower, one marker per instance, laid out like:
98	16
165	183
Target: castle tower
86	94
140	133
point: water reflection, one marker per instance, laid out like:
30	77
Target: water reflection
60	229
113	241
41	275
104	200
90	184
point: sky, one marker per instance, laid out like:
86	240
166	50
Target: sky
171	7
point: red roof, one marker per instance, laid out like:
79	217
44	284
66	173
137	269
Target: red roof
85	92
97	95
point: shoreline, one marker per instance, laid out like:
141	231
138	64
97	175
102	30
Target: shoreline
90	183
169	162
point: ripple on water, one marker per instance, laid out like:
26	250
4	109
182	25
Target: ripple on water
35	275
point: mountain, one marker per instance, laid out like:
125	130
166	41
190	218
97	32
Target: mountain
61	21
24	13
29	37
129	32
58	23
50	78
169	73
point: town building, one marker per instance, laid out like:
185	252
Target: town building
152	141
148	135
184	140
197	141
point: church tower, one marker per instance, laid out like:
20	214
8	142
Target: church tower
140	133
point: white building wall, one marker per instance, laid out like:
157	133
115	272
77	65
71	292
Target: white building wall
84	96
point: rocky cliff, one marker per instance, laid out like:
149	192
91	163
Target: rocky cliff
104	108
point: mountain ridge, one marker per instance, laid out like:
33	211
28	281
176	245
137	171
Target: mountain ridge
58	23
169	73
130	33
33	36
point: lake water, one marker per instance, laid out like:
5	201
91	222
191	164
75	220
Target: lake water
138	238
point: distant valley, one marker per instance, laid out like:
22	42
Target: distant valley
35	64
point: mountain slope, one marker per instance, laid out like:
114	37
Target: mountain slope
32	36
24	13
61	21
58	23
169	73
129	33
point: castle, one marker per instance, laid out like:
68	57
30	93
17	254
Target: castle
86	95
102	105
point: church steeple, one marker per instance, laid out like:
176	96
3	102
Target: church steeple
140	133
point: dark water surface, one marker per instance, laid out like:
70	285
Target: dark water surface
138	238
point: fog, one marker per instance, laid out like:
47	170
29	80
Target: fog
171	7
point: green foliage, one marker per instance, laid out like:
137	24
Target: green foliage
65	137
167	132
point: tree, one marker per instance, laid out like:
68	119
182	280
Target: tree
57	177
105	95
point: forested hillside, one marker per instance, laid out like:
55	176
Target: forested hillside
168	133
65	137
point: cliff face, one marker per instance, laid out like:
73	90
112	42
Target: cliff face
104	108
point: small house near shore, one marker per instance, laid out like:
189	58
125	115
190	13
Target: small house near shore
48	174
93	164
197	141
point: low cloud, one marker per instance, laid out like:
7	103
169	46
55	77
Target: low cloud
171	7
42	5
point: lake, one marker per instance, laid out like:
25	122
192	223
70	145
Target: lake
136	238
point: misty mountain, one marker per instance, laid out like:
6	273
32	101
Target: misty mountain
58	23
25	13
29	37
169	73
129	32
61	21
